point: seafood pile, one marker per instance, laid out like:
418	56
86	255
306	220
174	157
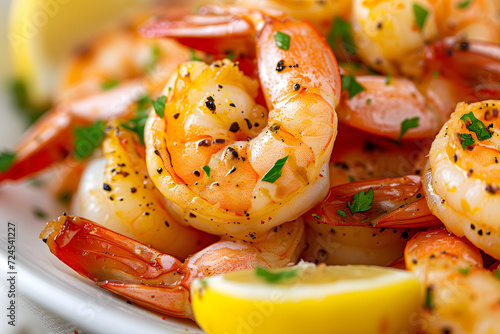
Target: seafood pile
240	137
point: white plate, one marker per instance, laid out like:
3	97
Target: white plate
51	284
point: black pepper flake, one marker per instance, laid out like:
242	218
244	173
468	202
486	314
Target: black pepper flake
249	124
218	141
296	87
489	188
472	226
176	115
449	52
419	195
157	152
496	160
235	154
220	86
480	232
379	25
234	127
203	142
146	213
210	103
106	187
405	235
44	240
256	124
133	190
129	302
233	169
455	157
464	46
197	173
192	215
280	66
232	105
160	170
167	224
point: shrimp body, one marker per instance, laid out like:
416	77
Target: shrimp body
214	145
461	182
462	296
117	191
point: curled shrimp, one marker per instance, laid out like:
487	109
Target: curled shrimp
461	182
117	191
462	296
211	123
159	281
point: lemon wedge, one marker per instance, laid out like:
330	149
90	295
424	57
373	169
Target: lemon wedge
309	299
42	33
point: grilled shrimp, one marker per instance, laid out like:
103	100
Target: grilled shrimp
228	165
462	177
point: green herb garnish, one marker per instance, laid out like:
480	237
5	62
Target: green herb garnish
87	139
342	213
39	213
207	170
429	301
466	140
138	123
420	15
387	79
407	124
275	172
193	55
230	56
349	83
315	215
108	84
159	105
273	278
476	126
282	40
6	160
153	58
497	273
361	201
464	271
341	30
350	178
464	4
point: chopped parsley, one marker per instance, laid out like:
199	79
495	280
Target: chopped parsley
341	30
282	40
349	83
464	271
429	301
464	4
387	79
230	56
194	56
159	105
39	213
138	123
153	58
273	278
23	102
407	124
476	126
6	160
435	74
466	140
87	139
207	170
315	215
497	273
361	201
275	172
350	178
108	84
342	213
420	15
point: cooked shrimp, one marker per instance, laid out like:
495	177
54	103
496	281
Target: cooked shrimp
215	146
336	235
386	32
462	180
117	192
462	296
158	281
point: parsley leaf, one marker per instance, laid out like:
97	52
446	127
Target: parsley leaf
497	273
23	102
420	15
315	215
464	4
207	170
342	213
350	178
271	277
387	79
230	56
194	56
464	271
349	82
159	105
282	40
476	126
408	124
153	58
108	84
6	160
466	140
138	123
361	201
341	30
87	139
429	301
275	172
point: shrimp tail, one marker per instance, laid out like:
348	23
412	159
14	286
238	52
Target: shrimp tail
397	203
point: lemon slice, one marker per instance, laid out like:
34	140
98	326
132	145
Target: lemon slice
316	299
42	33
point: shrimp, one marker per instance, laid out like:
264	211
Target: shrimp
462	177
373	236
462	296
213	148
386	32
443	73
158	281
117	191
